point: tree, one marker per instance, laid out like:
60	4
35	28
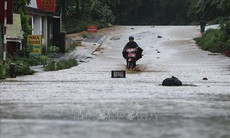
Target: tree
151	12
210	9
79	9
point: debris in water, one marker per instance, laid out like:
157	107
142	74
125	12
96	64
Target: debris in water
115	38
158	51
172	82
159	36
205	78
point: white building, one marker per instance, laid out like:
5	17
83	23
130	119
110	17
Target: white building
46	23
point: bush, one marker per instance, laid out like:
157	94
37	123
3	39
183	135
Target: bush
3	72
32	61
53	51
74	25
214	40
23	69
101	12
225	26
22	65
60	65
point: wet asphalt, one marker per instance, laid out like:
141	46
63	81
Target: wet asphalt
85	102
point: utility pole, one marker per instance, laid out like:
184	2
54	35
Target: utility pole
1	41
4	32
6	17
1	27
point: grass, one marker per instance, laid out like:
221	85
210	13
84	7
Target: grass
214	40
3	69
60	65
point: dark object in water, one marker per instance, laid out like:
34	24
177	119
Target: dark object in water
118	74
12	70
172	82
159	36
205	78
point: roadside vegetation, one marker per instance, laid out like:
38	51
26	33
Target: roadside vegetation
23	64
214	40
217	11
59	65
22	67
79	14
25	61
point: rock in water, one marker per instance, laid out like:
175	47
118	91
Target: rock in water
172	82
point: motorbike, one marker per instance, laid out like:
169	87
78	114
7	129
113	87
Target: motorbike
131	57
202	29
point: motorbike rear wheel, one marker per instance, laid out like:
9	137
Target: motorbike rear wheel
131	64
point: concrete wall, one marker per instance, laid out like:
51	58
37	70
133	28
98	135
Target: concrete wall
45	33
37	25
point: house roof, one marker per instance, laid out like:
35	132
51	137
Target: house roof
34	11
41	8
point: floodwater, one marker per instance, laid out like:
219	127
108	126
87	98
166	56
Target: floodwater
85	102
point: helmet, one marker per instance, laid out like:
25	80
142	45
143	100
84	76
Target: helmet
131	37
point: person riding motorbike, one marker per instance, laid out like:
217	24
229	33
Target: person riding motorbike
132	44
202	26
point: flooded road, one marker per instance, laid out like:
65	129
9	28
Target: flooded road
85	102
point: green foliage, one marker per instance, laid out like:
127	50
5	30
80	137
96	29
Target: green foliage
209	9
54	49
22	65
22	68
19	5
32	61
225	26
3	69
124	12
218	11
25	25
26	50
74	25
60	65
81	25
39	60
101	12
78	14
214	40
81	13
